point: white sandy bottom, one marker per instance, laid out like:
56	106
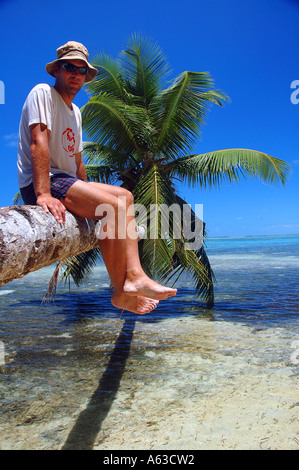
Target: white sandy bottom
186	385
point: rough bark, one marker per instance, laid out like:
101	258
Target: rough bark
31	239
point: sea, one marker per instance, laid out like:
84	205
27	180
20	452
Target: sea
69	366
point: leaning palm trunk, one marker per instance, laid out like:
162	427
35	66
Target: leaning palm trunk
31	239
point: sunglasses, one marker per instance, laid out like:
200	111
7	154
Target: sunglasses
68	67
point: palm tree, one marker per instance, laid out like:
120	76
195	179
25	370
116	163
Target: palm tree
142	129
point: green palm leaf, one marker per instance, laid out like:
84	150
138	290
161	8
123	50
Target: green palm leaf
95	153
100	174
200	271
17	199
214	168
111	123
80	266
180	110
109	78
144	69
194	262
165	254
151	191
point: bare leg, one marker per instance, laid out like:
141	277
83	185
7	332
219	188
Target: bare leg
133	290
136	282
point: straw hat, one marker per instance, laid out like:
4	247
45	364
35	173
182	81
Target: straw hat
73	50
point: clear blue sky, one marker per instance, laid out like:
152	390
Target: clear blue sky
249	47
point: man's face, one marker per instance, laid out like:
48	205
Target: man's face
70	82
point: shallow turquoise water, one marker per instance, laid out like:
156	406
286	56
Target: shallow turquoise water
64	348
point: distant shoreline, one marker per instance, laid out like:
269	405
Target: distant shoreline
252	236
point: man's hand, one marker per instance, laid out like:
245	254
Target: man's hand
53	205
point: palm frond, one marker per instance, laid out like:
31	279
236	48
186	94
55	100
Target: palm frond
194	262
51	292
17	199
165	254
144	68
100	174
180	110
215	96
80	266
202	275
103	155
214	168
154	191
109	78
113	124
95	153
77	268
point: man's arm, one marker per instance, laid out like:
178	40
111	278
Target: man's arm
40	169
81	172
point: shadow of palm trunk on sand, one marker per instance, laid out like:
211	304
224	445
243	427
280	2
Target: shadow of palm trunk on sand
89	422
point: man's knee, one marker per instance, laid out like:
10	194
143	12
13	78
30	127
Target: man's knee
130	199
125	199
127	195
116	204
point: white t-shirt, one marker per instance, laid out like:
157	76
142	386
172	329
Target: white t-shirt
45	105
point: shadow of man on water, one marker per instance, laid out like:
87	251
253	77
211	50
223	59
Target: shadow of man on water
89	422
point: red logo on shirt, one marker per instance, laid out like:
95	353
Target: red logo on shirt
68	141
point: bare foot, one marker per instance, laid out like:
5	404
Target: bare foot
136	304
146	287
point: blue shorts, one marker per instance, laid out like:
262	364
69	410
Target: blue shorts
59	184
